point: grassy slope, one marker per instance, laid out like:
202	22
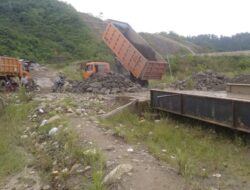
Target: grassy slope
46	30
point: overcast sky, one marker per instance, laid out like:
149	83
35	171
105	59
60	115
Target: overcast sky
185	17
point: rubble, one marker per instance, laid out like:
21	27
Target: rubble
111	83
207	80
243	79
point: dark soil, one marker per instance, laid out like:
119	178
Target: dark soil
209	80
111	83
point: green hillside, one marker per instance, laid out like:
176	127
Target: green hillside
46	31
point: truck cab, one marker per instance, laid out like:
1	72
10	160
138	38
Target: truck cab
92	68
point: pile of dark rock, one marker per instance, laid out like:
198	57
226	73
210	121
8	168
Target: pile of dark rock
242	79
207	80
111	83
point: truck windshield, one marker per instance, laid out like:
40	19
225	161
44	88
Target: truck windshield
89	68
101	68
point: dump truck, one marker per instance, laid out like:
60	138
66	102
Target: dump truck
134	53
92	68
11	68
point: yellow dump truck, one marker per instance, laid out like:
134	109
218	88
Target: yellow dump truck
11	68
134	53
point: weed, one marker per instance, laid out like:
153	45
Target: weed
23	95
12	122
192	149
190	84
184	164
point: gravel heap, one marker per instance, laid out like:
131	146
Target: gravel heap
207	80
243	79
111	83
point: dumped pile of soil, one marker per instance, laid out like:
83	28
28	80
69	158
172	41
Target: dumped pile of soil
207	80
243	79
111	83
146	51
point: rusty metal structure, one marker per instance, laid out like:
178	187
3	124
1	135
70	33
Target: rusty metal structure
230	110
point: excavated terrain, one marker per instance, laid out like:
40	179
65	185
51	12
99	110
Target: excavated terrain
110	83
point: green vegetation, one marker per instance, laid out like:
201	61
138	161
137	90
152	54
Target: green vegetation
211	42
12	124
228	65
47	31
183	67
236	42
193	150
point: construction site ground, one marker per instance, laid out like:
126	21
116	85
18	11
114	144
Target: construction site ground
146	172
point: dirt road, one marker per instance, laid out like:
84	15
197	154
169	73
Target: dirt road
147	174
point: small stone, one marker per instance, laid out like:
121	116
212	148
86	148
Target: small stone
44	122
117	173
55	172
173	157
65	170
101	112
217	175
75	167
32	172
69	110
53	131
54	163
79	126
53	119
87	168
109	148
130	150
46	187
78	111
213	188
24	136
41	110
164	150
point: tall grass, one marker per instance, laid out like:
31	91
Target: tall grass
12	125
229	65
193	150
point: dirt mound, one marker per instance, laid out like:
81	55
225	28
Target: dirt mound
207	80
111	83
243	79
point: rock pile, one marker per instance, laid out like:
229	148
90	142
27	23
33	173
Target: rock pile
243	79
111	83
207	80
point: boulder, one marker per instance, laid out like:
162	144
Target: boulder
117	173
